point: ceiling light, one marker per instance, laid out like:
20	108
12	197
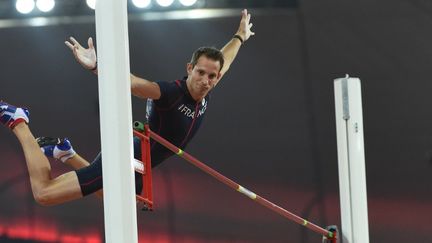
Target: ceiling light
45	5
91	4
165	3
25	6
141	3
188	3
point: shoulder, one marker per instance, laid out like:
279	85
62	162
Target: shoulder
169	88
170	92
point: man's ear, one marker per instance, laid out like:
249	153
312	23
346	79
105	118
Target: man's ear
219	75
189	68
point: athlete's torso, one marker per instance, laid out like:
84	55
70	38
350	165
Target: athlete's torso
176	116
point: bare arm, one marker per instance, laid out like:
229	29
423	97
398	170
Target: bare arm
144	89
231	49
87	58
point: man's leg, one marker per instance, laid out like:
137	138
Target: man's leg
61	149
46	191
77	162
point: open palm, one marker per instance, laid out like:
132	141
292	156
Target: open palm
85	56
244	29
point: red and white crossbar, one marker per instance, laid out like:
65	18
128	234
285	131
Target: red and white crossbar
239	188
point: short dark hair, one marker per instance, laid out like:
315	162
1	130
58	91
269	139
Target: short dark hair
209	52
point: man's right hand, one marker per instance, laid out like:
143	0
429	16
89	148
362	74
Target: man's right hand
86	57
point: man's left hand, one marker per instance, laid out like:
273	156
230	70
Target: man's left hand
244	29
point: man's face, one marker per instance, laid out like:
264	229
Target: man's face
203	76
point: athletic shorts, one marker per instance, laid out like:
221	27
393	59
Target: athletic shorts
90	177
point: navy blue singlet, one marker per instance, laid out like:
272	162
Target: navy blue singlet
175	116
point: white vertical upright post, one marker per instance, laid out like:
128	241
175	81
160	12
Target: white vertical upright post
352	172
116	121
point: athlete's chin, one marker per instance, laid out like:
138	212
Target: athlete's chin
204	90
207	91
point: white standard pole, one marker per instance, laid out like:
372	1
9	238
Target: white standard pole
352	172
116	121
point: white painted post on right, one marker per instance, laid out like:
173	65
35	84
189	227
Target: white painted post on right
352	171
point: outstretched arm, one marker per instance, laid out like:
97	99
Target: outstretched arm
144	88
231	49
140	87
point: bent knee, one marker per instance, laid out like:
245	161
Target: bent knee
44	197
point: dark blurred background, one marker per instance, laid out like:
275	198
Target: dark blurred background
270	125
